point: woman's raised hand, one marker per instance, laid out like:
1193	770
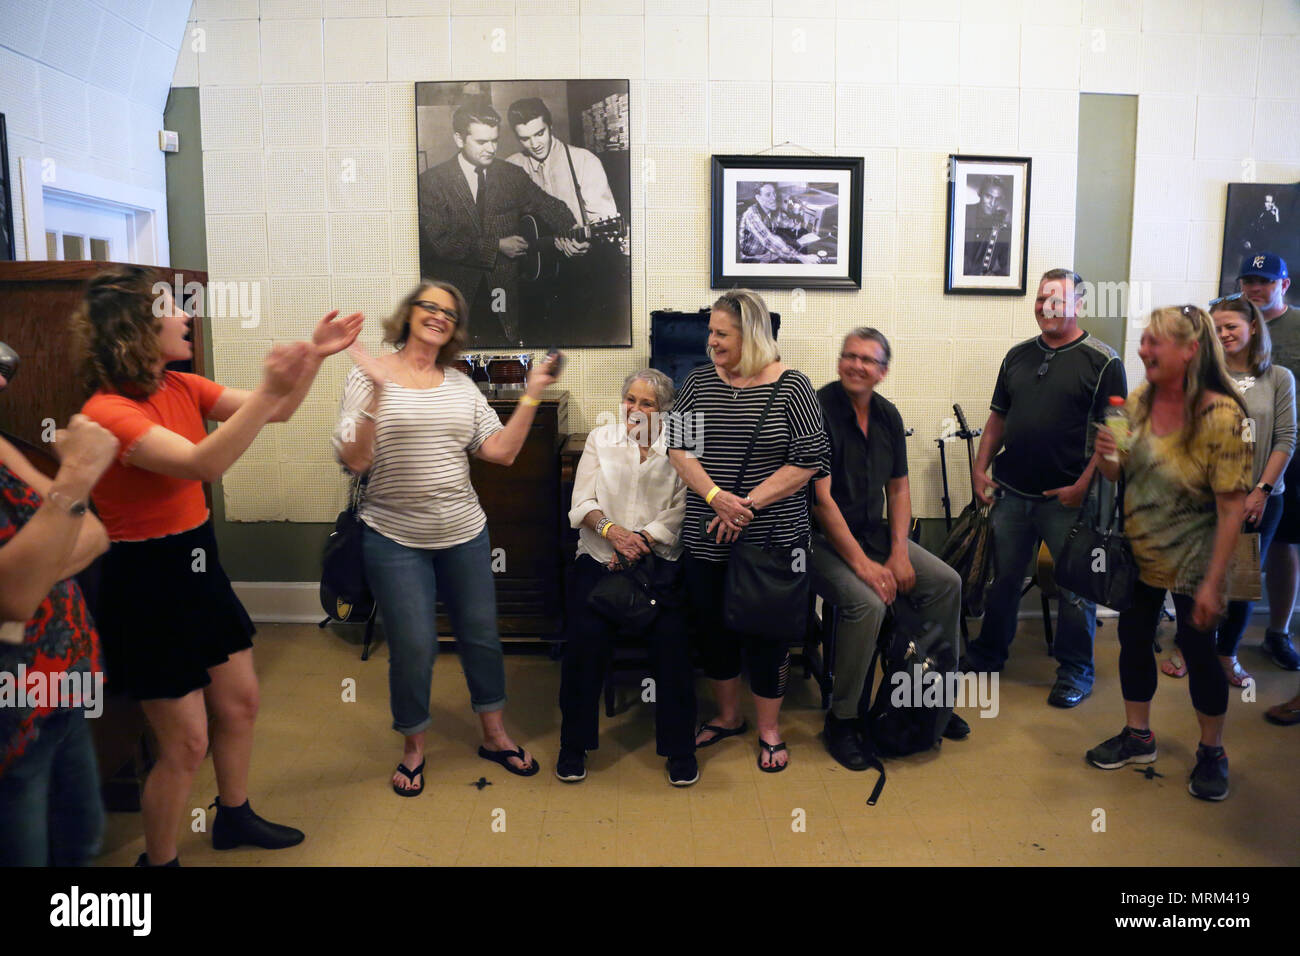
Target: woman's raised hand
333	335
370	365
284	366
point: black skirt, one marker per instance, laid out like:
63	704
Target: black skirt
166	613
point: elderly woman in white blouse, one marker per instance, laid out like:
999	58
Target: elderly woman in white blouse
628	502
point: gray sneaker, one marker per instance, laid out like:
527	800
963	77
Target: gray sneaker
1209	780
1125	747
1279	647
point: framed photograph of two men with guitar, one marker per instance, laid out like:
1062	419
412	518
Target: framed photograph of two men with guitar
524	188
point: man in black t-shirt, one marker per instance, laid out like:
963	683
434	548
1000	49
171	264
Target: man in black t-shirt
862	559
1050	390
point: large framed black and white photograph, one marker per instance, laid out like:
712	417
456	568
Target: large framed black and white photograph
988	225
785	222
8	249
524	190
1260	218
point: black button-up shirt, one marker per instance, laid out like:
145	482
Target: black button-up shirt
861	465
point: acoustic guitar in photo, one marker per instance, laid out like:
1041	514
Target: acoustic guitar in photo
542	260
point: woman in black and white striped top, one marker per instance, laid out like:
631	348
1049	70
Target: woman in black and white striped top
411	420
717	412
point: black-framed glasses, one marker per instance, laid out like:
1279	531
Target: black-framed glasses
435	309
864	359
1042	369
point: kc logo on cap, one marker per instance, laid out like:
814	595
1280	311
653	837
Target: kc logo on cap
1265	265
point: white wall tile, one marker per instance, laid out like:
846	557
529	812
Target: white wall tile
676	47
110	137
359	242
922	181
292	9
1169	62
1068	13
356	178
537	8
225	10
867	9
1162	187
1232	16
740	49
1205	250
675	178
292	51
228	51
1280	18
804	113
419	48
356	50
71	51
803	50
21	95
866	115
233	182
1049	56
187	60
117	51
64	116
153	73
928	53
1278	58
1170	15
25	26
299	244
356	114
1113	14
295	180
1229	65
936	10
294	116
1223	127
148	162
879	180
1110	61
355	8
1277	130
1166	124
548	46
866	51
483	48
236	245
988	119
231	117
676	113
167	19
1049	120
612	47
1159	249
740	114
990	54
928	116
992	11
1209	190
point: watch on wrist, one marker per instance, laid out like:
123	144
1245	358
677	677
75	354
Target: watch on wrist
73	506
1265	487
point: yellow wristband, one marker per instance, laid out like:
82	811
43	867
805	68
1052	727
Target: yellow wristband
529	401
713	493
604	532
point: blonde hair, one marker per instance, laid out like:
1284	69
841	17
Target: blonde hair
1206	371
1259	351
757	346
116	333
397	327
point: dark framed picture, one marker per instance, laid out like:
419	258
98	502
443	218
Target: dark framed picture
786	222
8	250
1260	218
988	225
524	189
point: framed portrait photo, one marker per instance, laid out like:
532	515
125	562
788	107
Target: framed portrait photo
988	225
1262	219
786	222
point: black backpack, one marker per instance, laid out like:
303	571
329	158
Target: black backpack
344	594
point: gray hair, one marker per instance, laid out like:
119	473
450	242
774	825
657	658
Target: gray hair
657	380
870	335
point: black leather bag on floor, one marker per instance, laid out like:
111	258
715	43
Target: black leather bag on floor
344	594
903	719
1096	561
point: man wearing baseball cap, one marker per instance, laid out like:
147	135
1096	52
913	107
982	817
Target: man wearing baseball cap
1264	280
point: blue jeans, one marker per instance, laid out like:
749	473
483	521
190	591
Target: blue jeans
50	812
405	584
1017	524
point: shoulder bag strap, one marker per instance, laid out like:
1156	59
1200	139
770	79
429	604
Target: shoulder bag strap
762	420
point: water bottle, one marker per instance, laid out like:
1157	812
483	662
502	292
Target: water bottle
1118	423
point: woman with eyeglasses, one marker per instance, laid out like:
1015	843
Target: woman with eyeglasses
410	420
1187	471
1269	393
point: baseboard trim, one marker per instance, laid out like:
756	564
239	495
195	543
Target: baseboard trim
281	602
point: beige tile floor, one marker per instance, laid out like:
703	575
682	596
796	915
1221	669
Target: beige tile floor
1016	792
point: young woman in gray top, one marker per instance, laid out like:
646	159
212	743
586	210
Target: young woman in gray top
1269	393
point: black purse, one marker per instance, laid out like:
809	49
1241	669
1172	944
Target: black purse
765	593
633	597
344	594
1096	561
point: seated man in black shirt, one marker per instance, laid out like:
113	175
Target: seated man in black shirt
863	559
1050	391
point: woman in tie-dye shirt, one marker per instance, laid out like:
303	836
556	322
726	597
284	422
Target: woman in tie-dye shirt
1186	471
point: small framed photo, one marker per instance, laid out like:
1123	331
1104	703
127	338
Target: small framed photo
988	225
786	222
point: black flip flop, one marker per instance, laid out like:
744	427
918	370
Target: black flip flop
503	757
719	733
409	775
772	750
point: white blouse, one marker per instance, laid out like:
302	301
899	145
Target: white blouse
640	496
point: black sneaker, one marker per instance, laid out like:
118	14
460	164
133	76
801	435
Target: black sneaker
1124	747
683	771
571	767
1209	780
1279	647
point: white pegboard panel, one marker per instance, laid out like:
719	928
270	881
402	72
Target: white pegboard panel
293	116
237	245
740	114
1166	124
1049	56
356	114
922	180
932	310
677	48
671	8
224	10
401	117
1280	18
1049	120
230	117
988	118
368	293
1229	65
732	42
406	243
356	178
167	20
355	8
880	179
233	181
921	367
254	491
134	12
637	244
975	368
324	492
296	304
823	9
152	79
1162	187
675	178
801	51
292	51
1277	130
921	244
25	27
69	50
419	48
419	8
1278	57
110	138
548	45
295	180
640	171
1112	14
1158	14
116	54
1223	127
682	234
1232	16
238	309
686	291
928	53
1209	187
1054	186
874	305
867	9
612	46
866	116
64	115
866	51
1205	250
1169	62
20	92
880	243
804	114
292	9
229	52
992	11
298	244
1110	61
145	156
1159	250
304	446
1052	238
487	8
740	8
990	54
238	364
983	317
812	355
401	181
483	47
356	50
932	116
676	112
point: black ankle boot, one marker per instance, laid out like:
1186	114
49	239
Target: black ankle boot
240	826
144	861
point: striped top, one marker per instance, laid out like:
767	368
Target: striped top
714	422
419	492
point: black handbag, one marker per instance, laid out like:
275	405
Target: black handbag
1096	561
633	597
344	594
765	593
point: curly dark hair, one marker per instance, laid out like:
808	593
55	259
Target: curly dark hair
116	332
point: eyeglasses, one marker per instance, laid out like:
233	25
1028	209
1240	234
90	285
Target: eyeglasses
864	359
1042	369
1226	298
434	309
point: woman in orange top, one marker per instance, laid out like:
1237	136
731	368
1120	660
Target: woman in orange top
173	631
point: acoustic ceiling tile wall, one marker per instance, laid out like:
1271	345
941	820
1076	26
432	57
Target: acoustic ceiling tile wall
1158	14
1054	187
233	182
677	47
921	365
867	9
238	364
732	42
231	117
292	51
483	47
1205	251
292	9
488	8
1110	61
678	180
547	45
323	491
740	114
294	116
803	50
1229	64
367	294
992	11
359	242
741	8
295	180
879	179
406	239
685	231
299	244
1209	186
20	92
922	254
810	355
1051	242
238	312
1169	62
225	10
254	491
928	53
148	162
356	114
355	8
922	180
686	291
1112	14
116	53
1277	132
1049	56
988	118
874	306
866	116
229	52
612	46
930	116
425	8
990	54
402	181
1278	57
866	51
1159	250
237	245
1280	17
1162	187
356	49
1049	119
296	304
401	117
677	113
153	79
1223	126
983	317
110	137
303	449
880	245
356	178
1166	124
974	373
25	26
419	48
70	50
804	114
1232	16
64	116
167	21
670	8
